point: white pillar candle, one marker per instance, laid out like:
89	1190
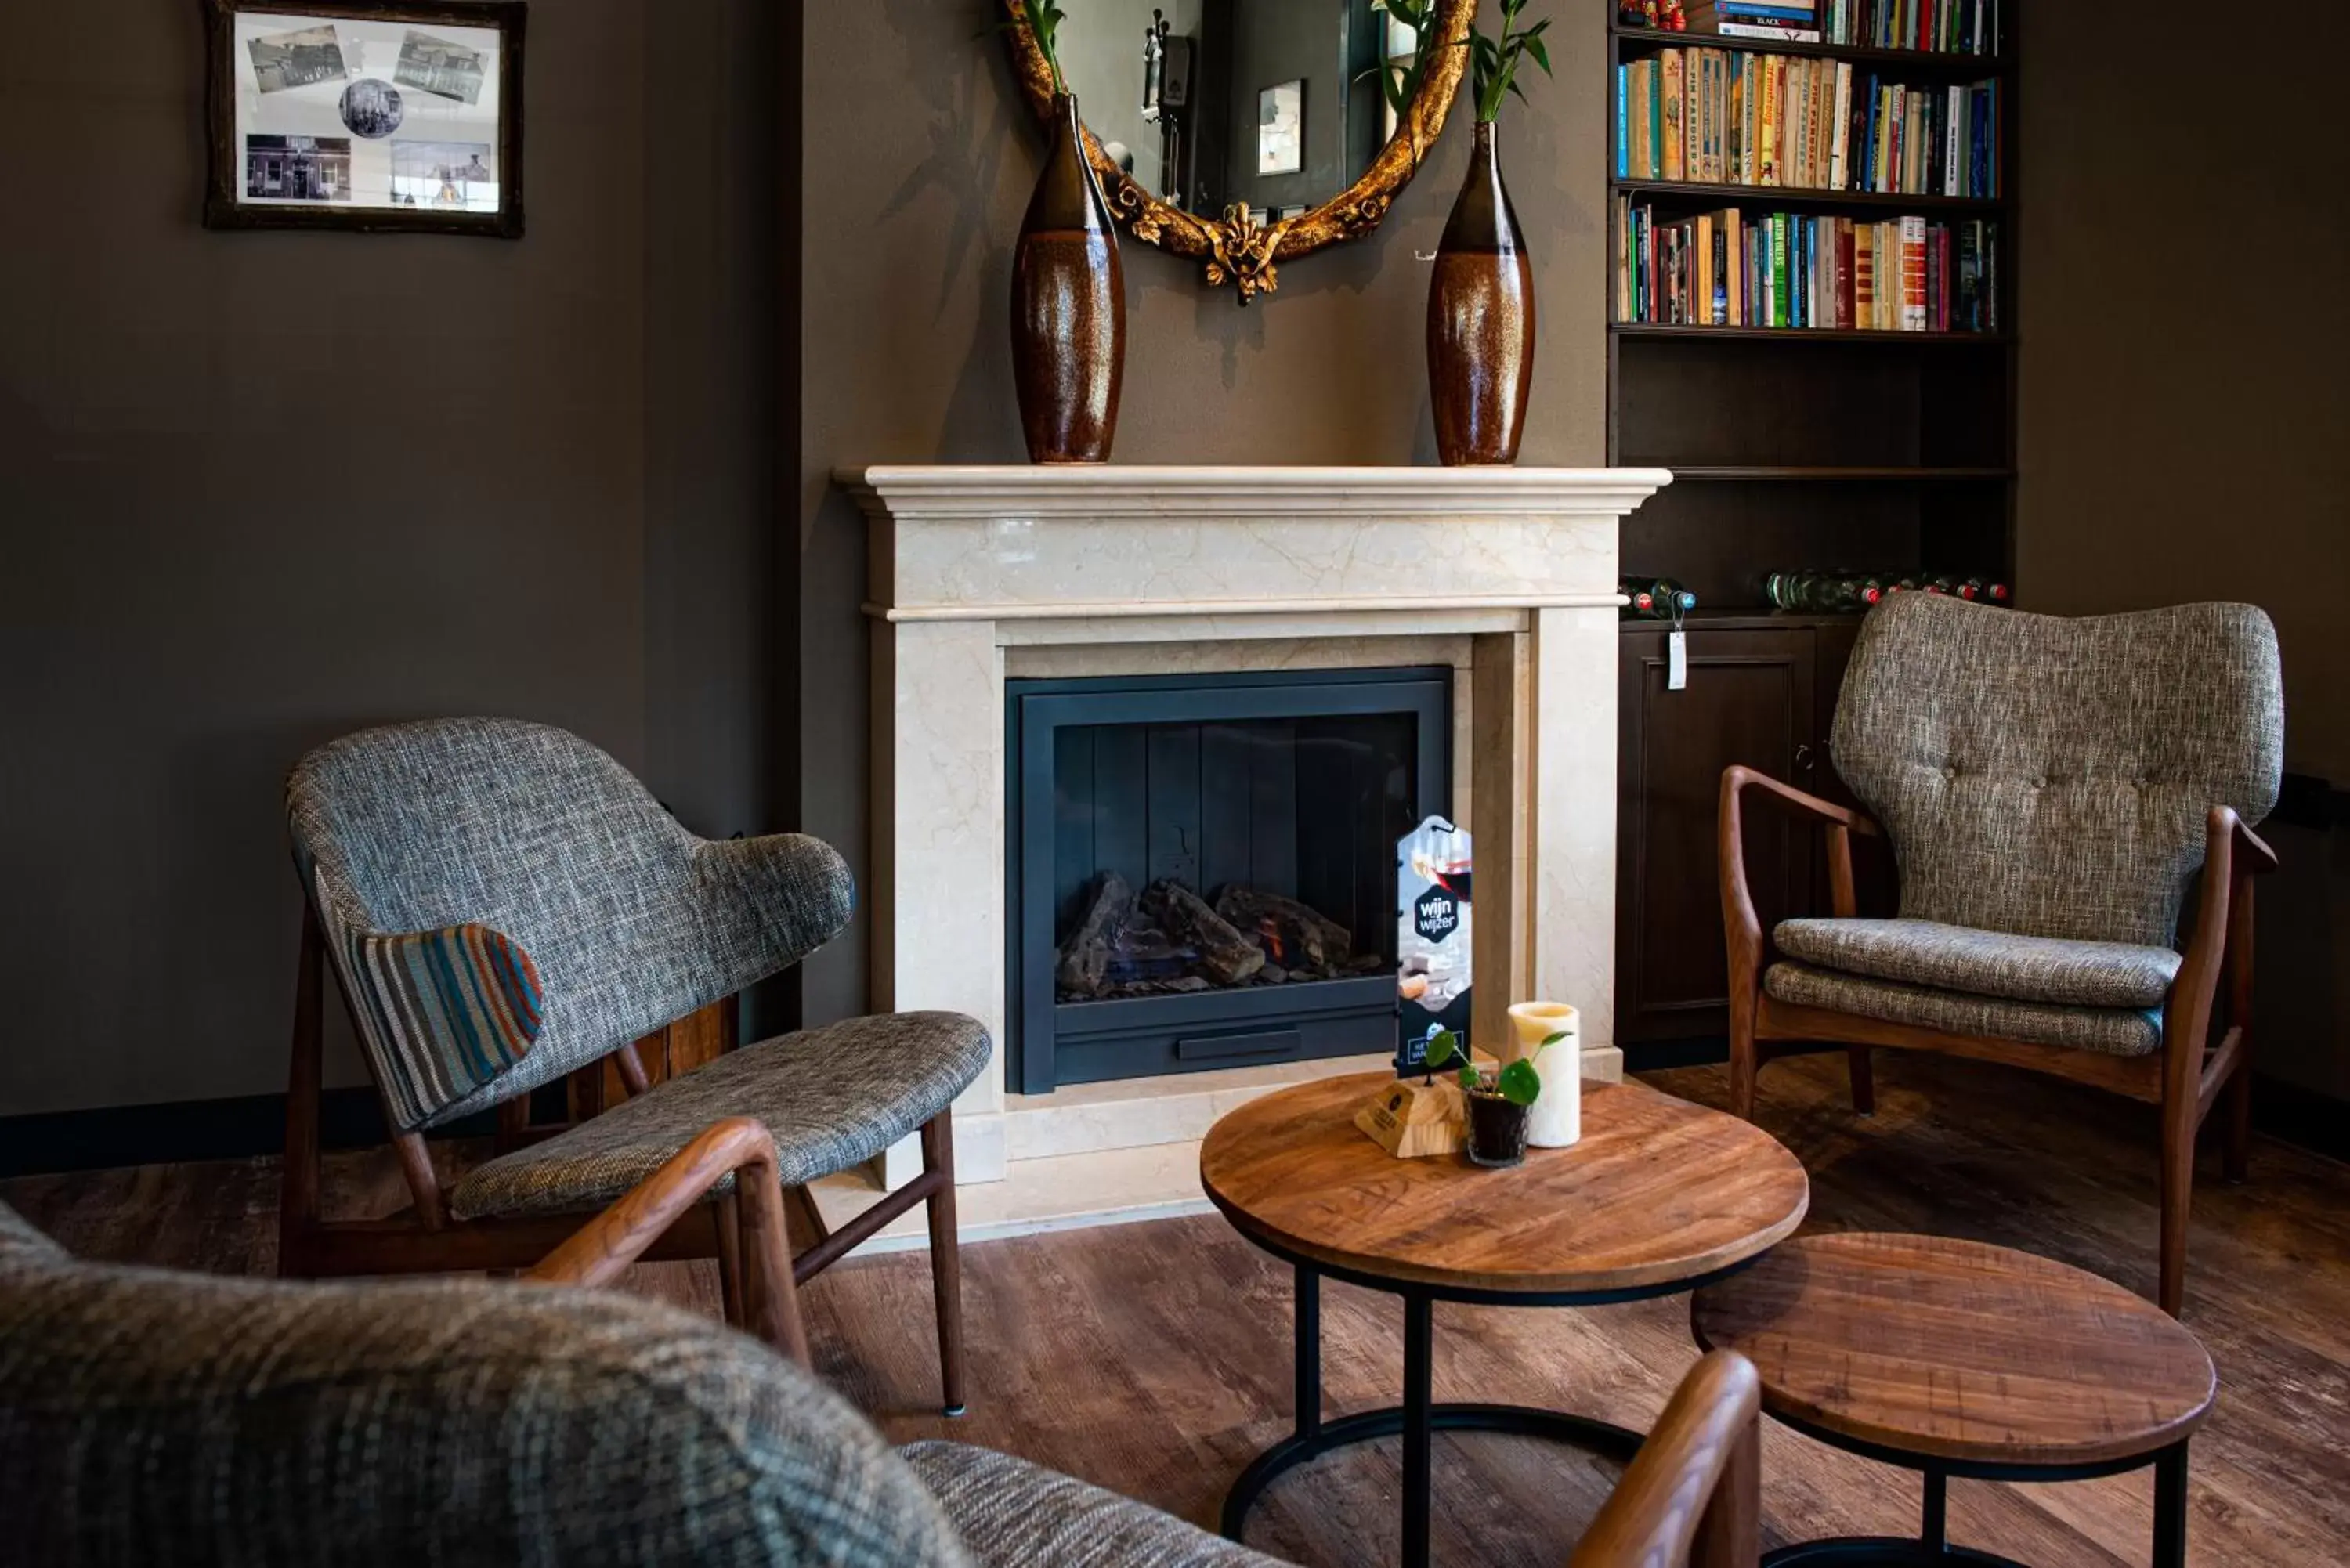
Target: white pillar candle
1556	1118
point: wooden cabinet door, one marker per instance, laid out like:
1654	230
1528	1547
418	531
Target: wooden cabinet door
1751	697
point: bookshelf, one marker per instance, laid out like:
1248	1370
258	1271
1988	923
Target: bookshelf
1887	451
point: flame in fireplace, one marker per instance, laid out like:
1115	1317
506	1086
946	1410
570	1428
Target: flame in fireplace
1270	930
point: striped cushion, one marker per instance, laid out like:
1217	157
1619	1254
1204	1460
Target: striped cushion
465	999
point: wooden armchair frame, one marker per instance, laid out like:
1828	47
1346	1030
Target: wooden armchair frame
1693	1493
2186	1078
624	1233
738	1227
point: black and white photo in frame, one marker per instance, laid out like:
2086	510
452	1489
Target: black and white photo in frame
367	114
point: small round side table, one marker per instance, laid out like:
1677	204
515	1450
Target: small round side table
1658	1196
1955	1358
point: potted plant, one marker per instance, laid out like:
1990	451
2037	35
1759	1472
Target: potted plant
1069	289
1480	307
1496	1105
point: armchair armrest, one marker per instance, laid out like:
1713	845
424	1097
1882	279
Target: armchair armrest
1737	778
1741	929
1692	1494
2250	851
737	1146
773	900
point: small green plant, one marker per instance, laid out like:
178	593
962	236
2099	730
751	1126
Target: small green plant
1402	82
1497	61
1044	18
1517	1082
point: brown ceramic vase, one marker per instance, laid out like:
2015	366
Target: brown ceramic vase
1068	307
1480	321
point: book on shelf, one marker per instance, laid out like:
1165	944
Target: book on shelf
1800	270
1739	117
1926	26
1793	22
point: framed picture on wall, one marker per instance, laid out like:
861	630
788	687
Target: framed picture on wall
1281	128
367	115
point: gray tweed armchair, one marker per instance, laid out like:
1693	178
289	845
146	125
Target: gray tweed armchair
148	1417
2051	790
502	903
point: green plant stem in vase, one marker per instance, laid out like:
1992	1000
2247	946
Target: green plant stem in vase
1480	303
1495	1106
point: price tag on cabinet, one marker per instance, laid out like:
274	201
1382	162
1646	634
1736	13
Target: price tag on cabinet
1675	660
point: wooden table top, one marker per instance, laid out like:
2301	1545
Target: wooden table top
1957	1350
1658	1191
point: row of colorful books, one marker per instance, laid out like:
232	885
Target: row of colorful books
1729	117
1732	268
1937	27
1932	26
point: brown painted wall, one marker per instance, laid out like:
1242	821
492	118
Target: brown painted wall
259	489
2184	410
919	158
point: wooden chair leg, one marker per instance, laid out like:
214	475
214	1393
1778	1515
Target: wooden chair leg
2177	1192
2235	1150
770	1300
946	1257
1864	1080
730	1260
1744	1064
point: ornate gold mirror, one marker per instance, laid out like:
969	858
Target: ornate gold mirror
1245	133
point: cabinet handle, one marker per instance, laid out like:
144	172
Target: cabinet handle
1803	758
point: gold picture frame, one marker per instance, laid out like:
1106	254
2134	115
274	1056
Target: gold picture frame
1242	248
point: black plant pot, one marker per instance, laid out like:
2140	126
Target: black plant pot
1497	1130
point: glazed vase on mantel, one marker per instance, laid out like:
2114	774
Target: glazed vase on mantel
1480	321
1068	307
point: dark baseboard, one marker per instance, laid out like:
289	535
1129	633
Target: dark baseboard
2302	1117
1661	1056
245	1128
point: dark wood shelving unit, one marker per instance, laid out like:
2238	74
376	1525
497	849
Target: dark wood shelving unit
1707	193
1891	452
1766	474
1812	334
1636	41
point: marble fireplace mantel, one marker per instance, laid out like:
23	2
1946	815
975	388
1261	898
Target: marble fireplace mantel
982	572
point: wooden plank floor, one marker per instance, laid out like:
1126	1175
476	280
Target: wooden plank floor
1154	1359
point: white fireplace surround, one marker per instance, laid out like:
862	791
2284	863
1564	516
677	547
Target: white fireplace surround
980	574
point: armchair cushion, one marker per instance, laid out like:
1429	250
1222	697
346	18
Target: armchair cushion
630	920
830	1098
1987	963
151	1416
2116	1031
1013	1514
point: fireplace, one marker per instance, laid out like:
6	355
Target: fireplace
1200	869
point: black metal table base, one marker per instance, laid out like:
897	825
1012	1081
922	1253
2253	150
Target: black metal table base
1931	1548
1418	1420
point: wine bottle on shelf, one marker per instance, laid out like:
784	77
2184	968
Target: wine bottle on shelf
1985	592
1655	598
1822	593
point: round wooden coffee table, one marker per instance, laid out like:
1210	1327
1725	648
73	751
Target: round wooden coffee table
1659	1196
1956	1358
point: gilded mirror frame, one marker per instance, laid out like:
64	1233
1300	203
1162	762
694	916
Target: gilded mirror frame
1240	248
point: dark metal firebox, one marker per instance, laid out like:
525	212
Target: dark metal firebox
1287	790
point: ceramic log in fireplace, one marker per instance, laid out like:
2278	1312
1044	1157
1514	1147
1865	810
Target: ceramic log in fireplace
1202	870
